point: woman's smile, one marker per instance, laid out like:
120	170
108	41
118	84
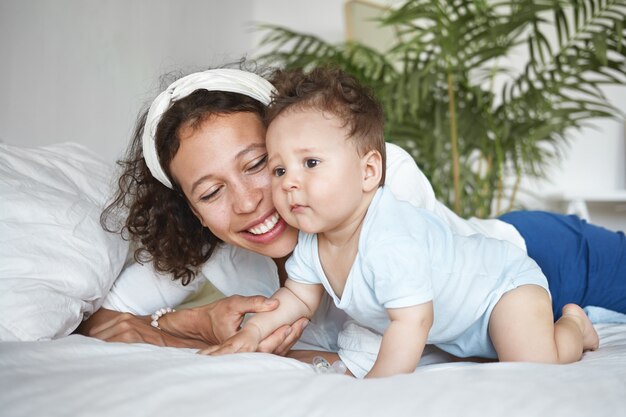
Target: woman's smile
266	225
267	231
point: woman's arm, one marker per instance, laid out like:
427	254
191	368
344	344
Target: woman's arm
115	326
198	327
403	341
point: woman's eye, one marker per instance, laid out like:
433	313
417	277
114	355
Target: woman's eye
311	163
258	164
211	195
279	172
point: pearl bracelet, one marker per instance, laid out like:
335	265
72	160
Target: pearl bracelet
158	314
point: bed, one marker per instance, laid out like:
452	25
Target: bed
79	376
56	265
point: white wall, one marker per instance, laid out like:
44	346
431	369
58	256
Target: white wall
80	70
593	166
323	18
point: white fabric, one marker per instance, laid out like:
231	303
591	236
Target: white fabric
56	261
223	79
129	294
78	376
408	256
408	183
359	346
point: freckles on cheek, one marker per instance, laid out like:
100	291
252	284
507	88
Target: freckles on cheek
263	177
217	223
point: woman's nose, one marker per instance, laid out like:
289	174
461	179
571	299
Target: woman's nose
247	197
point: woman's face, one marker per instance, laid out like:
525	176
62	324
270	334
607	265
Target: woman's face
221	167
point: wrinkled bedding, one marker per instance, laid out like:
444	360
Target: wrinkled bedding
80	376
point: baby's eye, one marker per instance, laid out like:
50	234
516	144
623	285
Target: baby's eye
311	163
279	172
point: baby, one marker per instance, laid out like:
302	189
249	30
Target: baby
395	269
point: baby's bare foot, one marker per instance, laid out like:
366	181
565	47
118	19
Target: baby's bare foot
591	341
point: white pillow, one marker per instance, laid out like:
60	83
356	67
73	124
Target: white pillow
56	262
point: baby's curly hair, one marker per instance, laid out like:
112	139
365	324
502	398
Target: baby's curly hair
158	220
330	89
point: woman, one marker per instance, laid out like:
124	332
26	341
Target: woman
199	201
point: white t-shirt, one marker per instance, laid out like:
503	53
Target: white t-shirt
408	256
140	290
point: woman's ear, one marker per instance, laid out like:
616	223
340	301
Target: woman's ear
372	164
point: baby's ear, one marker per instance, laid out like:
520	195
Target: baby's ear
372	165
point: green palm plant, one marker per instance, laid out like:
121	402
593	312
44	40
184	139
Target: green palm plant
471	122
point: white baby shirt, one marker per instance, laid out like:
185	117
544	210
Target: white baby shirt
408	256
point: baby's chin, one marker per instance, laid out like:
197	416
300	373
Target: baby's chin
312	231
309	229
305	227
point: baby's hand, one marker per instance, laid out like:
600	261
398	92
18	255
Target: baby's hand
245	340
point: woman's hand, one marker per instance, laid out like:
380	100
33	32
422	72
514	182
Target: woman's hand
227	314
214	323
282	340
245	340
198	327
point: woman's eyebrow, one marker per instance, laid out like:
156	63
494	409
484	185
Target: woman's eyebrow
200	181
239	154
250	148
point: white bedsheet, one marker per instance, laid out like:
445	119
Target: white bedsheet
79	376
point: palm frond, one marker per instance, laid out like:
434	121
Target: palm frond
509	121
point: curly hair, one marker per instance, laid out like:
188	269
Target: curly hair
158	219
330	89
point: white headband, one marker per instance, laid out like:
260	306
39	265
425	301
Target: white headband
224	79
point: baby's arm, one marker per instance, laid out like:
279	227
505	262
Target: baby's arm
296	300
403	341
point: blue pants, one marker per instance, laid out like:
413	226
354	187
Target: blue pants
585	264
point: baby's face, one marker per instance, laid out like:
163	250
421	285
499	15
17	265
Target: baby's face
317	173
